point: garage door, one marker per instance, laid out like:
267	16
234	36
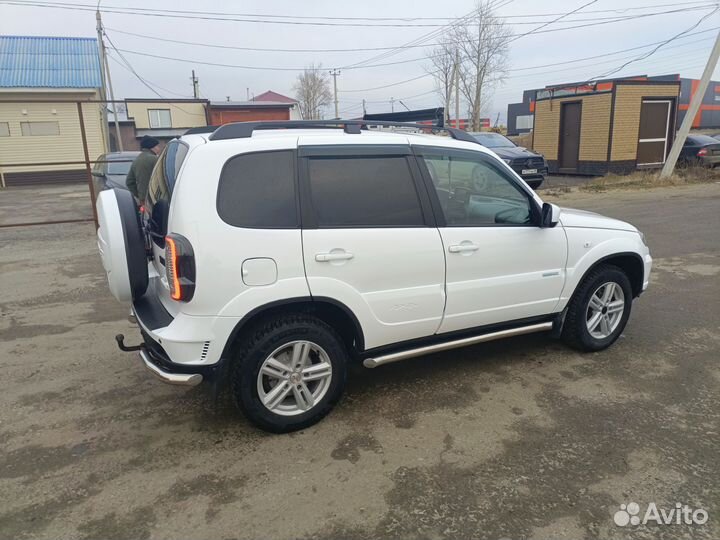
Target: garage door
654	135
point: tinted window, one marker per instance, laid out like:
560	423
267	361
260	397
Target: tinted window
120	167
364	192
476	191
258	190
701	139
164	175
493	140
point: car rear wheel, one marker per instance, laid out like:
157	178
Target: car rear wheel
289	373
599	309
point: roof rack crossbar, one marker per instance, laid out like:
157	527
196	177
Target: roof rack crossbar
243	130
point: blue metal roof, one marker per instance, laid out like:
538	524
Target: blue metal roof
49	62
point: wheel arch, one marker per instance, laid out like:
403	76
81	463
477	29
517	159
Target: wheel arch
329	310
629	262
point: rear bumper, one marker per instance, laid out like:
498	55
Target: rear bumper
157	361
181	379
174	349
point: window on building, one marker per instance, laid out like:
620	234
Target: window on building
159	118
258	191
364	192
4	129
40	128
524	122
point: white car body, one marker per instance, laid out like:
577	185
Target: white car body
401	284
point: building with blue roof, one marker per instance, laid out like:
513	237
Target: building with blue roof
41	80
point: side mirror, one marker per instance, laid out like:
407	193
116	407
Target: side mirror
550	215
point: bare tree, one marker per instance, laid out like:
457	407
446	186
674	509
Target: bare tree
442	68
312	90
483	40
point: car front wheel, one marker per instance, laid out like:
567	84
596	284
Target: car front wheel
599	309
289	373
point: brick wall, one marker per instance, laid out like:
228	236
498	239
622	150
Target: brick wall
628	101
594	126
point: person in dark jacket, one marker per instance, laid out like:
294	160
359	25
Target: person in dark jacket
138	178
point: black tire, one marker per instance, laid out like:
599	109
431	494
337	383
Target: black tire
134	243
260	342
575	332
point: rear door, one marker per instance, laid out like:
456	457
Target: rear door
369	239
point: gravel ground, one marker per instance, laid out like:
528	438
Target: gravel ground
521	438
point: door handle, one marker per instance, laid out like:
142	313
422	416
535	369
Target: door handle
334	256
463	248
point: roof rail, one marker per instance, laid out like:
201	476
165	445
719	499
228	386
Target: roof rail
201	129
243	130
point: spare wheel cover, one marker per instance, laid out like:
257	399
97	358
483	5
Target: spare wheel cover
122	246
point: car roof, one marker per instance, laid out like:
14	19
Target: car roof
119	155
332	136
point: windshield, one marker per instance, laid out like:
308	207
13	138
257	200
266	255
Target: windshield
493	140
702	139
120	167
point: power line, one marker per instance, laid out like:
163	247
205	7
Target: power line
660	45
287	19
533	67
536	30
177	14
363	64
323	18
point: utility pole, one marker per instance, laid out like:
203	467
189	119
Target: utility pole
335	73
693	108
103	88
115	107
196	85
364	110
457	88
392	104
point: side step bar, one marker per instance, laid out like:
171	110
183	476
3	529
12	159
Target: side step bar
447	345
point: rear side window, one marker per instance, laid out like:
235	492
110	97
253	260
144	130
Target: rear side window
258	191
364	192
165	172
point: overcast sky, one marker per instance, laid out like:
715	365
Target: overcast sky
686	56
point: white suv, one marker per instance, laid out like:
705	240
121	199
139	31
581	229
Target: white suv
271	255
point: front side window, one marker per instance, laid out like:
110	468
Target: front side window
477	192
258	191
159	118
375	191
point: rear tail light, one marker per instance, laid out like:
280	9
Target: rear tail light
180	267
702	152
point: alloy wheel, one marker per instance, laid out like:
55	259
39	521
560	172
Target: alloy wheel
605	310
294	378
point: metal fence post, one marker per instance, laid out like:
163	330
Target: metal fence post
87	163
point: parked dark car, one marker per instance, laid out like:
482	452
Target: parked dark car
530	165
113	173
700	150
